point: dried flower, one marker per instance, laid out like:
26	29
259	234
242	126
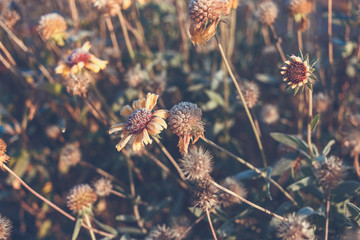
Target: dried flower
160	232
80	58
111	6
197	164
70	155
267	12
77	84
185	122
321	102
136	76
103	187
141	121
205	15
205	195
299	7
295	228
3	157
233	185
351	134
52	26
269	114
297	71
80	198
178	226
329	173
251	93
5	228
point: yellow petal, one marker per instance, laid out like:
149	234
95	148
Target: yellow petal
86	46
138	143
126	111
139	104
98	62
123	142
146	137
151	100
152	129
117	127
160	121
92	67
77	67
161	113
61	68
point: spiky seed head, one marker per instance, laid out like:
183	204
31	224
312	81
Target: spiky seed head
197	164
321	102
295	228
269	114
80	197
267	12
77	84
178	226
51	25
296	71
350	133
329	173
251	93
233	185
5	228
185	121
161	232
4	158
70	155
103	187
205	195
302	7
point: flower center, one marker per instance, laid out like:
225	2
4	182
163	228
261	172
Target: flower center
138	120
76	56
296	72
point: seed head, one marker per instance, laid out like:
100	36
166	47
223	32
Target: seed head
160	232
197	164
77	84
251	93
185	122
135	76
234	186
103	187
301	7
267	12
111	7
269	114
5	228
3	157
205	195
329	173
52	26
321	102
178	226
351	134
295	228
70	155
80	197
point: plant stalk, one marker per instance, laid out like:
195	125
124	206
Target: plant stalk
87	220
210	224
310	118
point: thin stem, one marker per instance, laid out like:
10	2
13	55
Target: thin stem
7	54
187	230
248	202
53	205
327	217
87	221
300	112
74	14
278	43
210	224
112	34
243	101
126	35
265	33
300	41
310	118
258	171
331	54
168	155
356	165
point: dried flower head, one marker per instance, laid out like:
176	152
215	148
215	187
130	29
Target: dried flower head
5	228
80	198
297	71
70	155
136	76
77	84
298	7
205	15
321	102
52	26
233	185
3	157
178	226
205	195
269	114
251	93
197	164
329	173
78	59
295	228
351	134
103	187
185	122
52	131
111	7
267	12
141	121
160	232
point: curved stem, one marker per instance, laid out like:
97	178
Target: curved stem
327	217
210	224
87	220
126	35
310	118
258	171
53	205
242	100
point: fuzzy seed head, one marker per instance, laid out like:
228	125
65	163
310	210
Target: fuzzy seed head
351	134
302	7
111	7
103	187
135	76
80	197
4	158
234	186
160	232
70	154
5	228
269	114
77	84
205	195
51	25
251	93
321	102
295	228
197	164
329	173
267	12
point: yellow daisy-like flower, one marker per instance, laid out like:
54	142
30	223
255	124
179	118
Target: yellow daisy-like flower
296	71
80	58
141	122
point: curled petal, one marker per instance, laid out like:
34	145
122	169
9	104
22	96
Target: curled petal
98	62
123	142
126	111
117	127
86	46
92	67
138	142
151	100
161	113
160	121
139	104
